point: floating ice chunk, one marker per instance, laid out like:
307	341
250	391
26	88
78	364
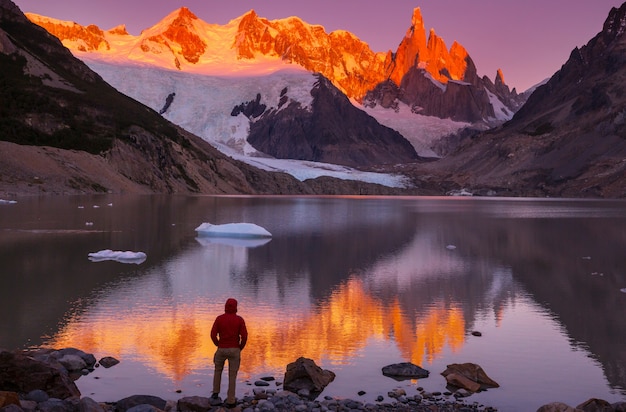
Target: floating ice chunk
88	223
450	247
232	230
623	290
7	202
81	207
110	204
586	257
118	256
96	206
250	242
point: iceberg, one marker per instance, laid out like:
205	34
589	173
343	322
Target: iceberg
7	202
250	242
118	256
245	230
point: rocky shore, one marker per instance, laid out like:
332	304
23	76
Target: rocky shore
43	381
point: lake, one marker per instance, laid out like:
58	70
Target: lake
354	283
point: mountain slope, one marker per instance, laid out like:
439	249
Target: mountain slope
183	42
569	139
87	137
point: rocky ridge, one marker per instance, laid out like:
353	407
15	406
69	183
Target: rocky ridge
344	59
569	139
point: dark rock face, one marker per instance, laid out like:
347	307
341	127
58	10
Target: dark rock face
331	131
457	100
21	373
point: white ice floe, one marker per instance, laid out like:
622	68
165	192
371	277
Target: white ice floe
623	290
245	230
118	256
234	241
7	202
450	247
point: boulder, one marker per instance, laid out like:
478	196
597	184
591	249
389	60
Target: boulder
461	373
462	382
405	370
194	404
21	373
108	361
557	407
305	374
596	405
87	404
125	404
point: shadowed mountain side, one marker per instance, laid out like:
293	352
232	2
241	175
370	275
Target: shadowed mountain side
331	131
569	139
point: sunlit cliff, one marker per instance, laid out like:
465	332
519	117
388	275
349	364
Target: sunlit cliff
184	42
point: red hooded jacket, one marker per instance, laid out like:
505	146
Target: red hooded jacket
229	329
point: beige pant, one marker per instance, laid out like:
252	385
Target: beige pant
233	355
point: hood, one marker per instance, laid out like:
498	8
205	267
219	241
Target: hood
231	306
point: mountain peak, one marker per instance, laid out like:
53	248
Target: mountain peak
417	20
615	24
184	14
499	77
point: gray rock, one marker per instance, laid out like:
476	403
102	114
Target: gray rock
73	363
87	404
405	370
194	404
108	361
53	405
125	404
37	395
11	408
144	407
557	407
595	405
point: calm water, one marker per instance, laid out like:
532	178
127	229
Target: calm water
352	283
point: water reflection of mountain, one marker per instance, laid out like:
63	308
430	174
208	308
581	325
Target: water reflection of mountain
574	268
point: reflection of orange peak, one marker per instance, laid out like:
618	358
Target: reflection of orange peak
339	327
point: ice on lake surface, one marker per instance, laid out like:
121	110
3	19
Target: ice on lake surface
118	256
352	283
245	230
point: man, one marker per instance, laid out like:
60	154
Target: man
230	335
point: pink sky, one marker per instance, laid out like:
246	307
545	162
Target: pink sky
529	40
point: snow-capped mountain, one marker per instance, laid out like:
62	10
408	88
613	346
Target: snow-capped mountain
251	43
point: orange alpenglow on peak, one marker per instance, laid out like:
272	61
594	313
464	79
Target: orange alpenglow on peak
431	55
500	77
184	12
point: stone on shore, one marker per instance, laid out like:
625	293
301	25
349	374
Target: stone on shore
462	375
127	403
557	407
22	373
193	404
108	361
405	370
304	374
